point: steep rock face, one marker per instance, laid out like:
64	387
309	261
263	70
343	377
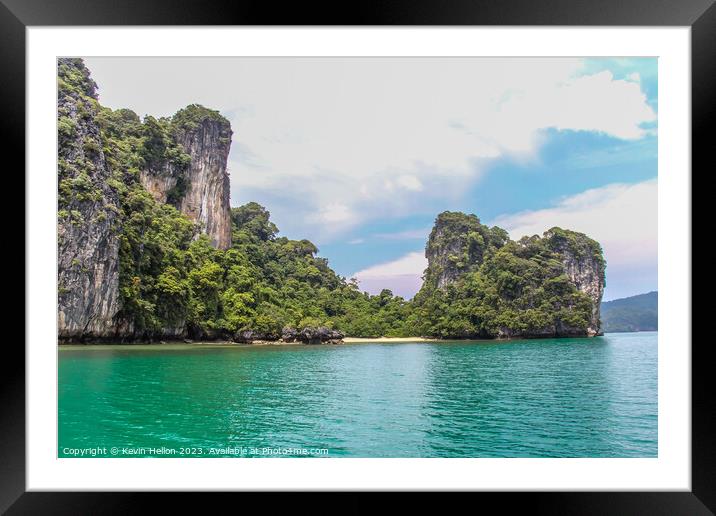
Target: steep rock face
207	196
88	265
116	277
456	245
585	267
161	183
199	189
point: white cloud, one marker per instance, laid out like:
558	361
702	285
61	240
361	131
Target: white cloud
375	133
412	263
409	182
410	234
403	276
335	213
623	218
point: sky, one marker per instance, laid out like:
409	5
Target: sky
359	155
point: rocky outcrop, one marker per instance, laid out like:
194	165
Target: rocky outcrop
88	242
481	284
289	334
320	335
585	267
200	188
207	194
448	251
163	182
456	245
126	331
181	161
249	336
308	335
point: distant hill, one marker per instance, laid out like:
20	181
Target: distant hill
635	313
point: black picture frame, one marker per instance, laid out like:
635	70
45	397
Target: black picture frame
700	15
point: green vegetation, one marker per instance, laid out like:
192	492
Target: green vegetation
159	148
262	283
193	115
579	245
458	244
80	189
73	78
503	287
635	313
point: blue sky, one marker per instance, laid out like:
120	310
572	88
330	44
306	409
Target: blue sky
360	154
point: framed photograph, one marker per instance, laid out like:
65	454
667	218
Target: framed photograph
447	248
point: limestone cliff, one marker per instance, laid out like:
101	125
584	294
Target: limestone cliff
456	245
199	189
116	278
479	283
88	243
585	267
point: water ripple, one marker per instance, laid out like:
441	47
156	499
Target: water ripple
541	398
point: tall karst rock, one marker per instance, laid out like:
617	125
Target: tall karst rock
584	265
200	188
180	160
88	243
535	287
456	245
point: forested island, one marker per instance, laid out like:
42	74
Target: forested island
150	249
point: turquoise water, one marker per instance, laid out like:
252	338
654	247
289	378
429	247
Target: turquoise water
537	398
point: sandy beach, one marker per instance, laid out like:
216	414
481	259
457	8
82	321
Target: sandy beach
354	340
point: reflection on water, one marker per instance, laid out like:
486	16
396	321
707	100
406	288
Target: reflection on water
542	398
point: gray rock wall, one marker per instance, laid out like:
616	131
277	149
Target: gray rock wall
88	242
585	267
207	195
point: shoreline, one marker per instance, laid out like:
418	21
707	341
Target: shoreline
228	343
181	344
